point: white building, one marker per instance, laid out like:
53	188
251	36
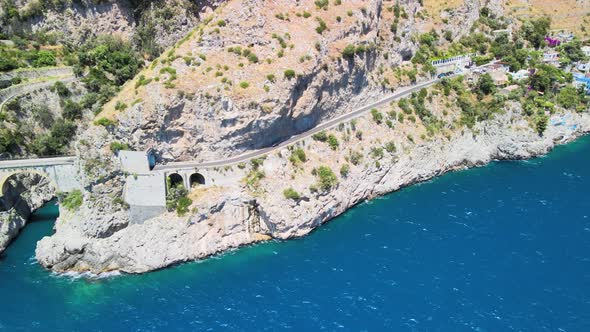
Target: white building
520	75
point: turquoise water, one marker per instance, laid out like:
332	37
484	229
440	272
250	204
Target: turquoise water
499	248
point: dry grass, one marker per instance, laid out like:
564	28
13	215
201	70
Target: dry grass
222	72
565	14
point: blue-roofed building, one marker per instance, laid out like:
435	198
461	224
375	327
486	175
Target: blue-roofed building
581	80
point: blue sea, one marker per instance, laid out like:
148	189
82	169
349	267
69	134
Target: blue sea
504	247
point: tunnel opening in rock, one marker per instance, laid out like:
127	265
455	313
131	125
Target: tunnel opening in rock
175	180
196	179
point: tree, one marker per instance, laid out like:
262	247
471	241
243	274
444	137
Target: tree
72	110
568	97
326	178
534	31
572	51
485	85
44	58
289	74
541	123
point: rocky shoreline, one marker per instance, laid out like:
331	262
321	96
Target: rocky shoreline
27	193
231	217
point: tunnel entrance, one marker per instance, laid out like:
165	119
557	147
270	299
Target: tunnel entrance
175	180
196	179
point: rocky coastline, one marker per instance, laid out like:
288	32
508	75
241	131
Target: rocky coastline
25	193
232	217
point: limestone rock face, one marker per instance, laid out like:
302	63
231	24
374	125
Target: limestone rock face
24	193
165	20
233	216
204	100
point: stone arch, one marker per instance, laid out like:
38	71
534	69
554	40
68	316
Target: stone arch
11	193
174	179
4	178
196	179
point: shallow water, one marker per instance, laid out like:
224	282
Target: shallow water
499	248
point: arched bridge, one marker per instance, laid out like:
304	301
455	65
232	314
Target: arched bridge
59	170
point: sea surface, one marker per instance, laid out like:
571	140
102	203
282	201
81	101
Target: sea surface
504	247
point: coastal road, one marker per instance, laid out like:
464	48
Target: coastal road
15	91
323	126
38	162
253	154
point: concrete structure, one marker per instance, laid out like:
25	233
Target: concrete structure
499	77
60	172
551	57
453	64
35	74
581	80
563	35
520	75
583	67
147	184
586	50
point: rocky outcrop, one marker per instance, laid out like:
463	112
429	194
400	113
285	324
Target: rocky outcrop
207	99
234	216
160	22
23	194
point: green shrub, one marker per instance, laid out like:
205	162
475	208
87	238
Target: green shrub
271	77
298	156
289	74
141	81
345	170
321	136
348	51
377	152
244	85
118	146
390	147
61	89
71	110
221	23
290	193
321	27
105	122
183	205
541	123
356	157
252	58
333	142
44	58
326	178
73	200
120	105
322	4
377	116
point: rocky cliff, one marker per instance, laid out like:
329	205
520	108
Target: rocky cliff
77	21
254	73
22	194
232	216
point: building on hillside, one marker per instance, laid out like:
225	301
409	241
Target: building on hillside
586	50
551	57
499	77
452	64
520	75
584	67
581	80
563	35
